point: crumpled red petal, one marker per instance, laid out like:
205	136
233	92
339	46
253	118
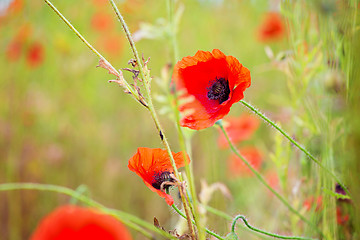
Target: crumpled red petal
147	162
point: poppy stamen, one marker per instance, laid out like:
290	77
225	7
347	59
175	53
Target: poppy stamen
163	180
219	90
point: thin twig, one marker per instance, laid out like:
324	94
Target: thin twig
146	81
262	180
262	116
103	60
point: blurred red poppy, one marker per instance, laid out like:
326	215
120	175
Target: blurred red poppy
209	83
272	27
79	223
238	168
238	129
111	44
15	47
13	50
35	54
341	218
100	3
310	201
11	7
154	167
102	21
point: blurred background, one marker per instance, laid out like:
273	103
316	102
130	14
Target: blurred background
62	123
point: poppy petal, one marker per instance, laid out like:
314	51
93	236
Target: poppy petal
215	81
72	222
150	164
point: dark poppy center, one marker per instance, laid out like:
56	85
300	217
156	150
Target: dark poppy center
160	178
219	90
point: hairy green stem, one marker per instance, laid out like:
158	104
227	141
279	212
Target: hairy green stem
147	80
307	153
207	230
128	219
67	22
262	180
182	141
264	232
73	29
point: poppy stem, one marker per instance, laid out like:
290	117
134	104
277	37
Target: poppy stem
262	231
295	143
128	219
263	181
125	84
146	80
183	142
187	209
207	230
145	75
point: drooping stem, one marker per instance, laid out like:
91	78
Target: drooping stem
128	219
262	180
144	74
264	232
207	230
295	143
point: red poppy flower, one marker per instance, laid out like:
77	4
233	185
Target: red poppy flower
238	129
79	223
238	168
209	84
102	22
272	27
35	54
154	167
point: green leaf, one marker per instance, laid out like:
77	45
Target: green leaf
337	195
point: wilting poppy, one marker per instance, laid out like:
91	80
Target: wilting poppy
340	190
208	83
238	168
238	129
154	167
35	54
272	27
79	223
